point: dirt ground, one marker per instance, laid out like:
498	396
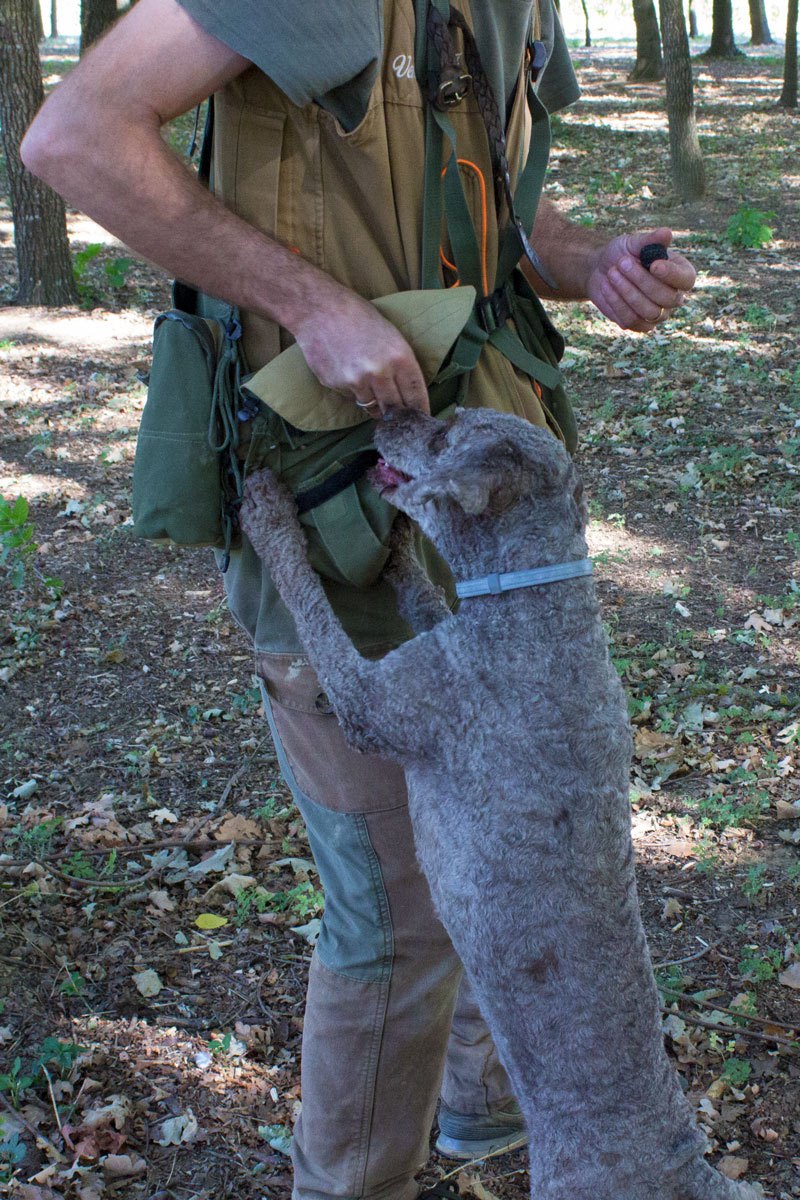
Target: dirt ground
157	898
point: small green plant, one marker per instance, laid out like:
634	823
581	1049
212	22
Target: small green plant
79	866
73	985
746	1005
671	983
36	841
750	227
16	539
737	1072
759	968
754	882
115	270
250	899
16	1081
62	1054
302	901
12	1153
221	1045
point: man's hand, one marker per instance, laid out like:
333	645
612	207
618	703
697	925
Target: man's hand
587	265
353	349
629	294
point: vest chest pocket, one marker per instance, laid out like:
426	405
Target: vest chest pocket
255	169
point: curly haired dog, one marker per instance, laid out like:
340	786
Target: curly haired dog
511	725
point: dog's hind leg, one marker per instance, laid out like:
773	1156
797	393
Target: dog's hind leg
420	603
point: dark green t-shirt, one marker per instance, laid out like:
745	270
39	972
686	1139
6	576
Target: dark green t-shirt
332	57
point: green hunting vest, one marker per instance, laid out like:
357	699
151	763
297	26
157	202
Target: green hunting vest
351	203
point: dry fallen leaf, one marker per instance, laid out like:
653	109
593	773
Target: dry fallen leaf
148	983
234	829
178	1129
791	976
732	1167
123	1164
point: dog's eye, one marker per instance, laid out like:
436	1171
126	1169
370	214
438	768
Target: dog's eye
439	440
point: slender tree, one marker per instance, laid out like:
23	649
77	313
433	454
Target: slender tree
688	172
40	228
723	44
759	25
53	18
38	23
649	64
587	40
693	33
96	17
789	94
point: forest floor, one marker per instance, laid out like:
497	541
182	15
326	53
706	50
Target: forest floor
156	888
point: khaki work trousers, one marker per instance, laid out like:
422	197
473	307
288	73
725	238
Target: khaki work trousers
390	1023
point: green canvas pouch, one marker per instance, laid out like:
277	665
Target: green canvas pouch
182	482
310	435
540	337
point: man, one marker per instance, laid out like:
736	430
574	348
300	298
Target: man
319	158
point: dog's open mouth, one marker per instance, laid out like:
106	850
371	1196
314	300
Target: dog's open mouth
385	478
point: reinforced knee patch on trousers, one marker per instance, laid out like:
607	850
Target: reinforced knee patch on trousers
356	935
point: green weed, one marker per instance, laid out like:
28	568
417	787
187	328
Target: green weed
749	227
115	271
16	1081
759	968
12	1153
754	882
16	539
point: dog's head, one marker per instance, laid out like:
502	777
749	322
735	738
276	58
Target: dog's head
480	460
480	466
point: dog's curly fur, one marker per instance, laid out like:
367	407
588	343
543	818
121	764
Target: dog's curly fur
511	725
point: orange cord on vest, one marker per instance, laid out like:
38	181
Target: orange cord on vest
465	162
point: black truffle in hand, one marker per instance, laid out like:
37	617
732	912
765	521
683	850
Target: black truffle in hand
651	253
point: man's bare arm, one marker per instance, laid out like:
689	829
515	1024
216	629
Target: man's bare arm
586	264
97	141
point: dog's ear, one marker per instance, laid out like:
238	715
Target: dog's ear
471	491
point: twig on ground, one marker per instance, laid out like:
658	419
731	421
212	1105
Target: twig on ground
738	1031
677	962
46	1074
203	946
736	1012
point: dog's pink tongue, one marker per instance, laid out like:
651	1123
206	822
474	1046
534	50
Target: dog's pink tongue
382	476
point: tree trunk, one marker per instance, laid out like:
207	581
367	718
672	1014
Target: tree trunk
789	94
53	18
588	34
722	43
692	21
38	23
759	25
649	64
96	17
688	172
40	228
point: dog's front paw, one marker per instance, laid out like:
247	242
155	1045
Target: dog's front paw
268	505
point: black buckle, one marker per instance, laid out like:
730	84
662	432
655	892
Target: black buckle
494	310
453	88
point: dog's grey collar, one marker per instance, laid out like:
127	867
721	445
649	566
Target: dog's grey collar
493	585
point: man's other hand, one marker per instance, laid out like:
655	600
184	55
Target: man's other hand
630	295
